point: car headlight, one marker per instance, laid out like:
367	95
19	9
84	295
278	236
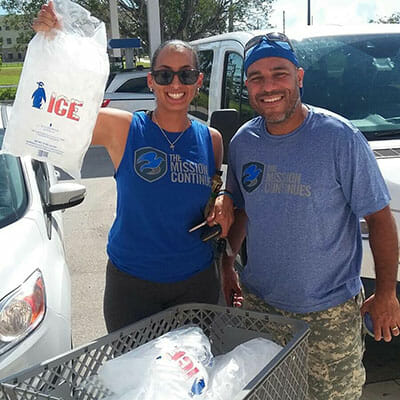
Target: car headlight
21	311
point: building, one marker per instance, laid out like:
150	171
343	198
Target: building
10	50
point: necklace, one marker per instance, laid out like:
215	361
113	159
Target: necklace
171	144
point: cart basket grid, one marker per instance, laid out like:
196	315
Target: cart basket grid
66	377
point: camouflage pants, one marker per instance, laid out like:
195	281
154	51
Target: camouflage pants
336	347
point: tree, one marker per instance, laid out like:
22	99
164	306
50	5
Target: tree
249	15
181	19
20	16
393	19
186	19
194	19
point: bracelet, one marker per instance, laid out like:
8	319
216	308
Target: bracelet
225	193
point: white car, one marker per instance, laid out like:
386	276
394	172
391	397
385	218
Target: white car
387	154
35	290
128	90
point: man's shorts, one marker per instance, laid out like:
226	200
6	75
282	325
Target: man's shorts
336	347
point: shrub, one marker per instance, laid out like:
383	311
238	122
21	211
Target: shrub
7	93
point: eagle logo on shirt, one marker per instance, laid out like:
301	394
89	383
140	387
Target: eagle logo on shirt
252	174
150	163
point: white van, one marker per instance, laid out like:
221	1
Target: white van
353	71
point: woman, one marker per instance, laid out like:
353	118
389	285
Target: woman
164	163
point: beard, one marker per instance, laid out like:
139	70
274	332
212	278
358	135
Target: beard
277	117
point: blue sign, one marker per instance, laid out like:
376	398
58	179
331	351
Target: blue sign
124	43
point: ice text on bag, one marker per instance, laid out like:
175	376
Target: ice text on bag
58	104
187	365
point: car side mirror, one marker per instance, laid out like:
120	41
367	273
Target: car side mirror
65	195
227	122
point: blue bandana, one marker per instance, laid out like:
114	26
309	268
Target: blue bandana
267	48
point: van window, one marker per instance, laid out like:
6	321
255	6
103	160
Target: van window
199	105
357	76
135	85
235	93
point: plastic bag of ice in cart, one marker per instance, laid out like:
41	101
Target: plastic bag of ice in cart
173	366
180	366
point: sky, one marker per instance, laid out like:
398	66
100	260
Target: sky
331	11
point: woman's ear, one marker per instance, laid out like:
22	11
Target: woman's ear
200	81
150	82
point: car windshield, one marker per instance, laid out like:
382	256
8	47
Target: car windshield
13	198
357	76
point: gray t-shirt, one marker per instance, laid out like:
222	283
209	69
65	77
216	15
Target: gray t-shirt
304	193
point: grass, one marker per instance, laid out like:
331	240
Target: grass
145	62
116	66
12	64
10	73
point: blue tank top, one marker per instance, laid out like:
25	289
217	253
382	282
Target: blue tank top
161	194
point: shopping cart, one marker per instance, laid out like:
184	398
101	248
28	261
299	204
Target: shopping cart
66	376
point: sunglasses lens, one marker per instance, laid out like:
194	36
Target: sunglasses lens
166	76
188	76
276	37
252	42
163	76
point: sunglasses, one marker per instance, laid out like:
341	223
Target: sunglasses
272	37
166	76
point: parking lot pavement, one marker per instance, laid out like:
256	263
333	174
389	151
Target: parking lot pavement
382	362
389	390
86	229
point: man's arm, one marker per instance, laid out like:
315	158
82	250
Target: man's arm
383	306
230	279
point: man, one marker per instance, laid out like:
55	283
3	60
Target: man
301	178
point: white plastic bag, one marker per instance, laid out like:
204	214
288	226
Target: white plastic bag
231	372
180	366
60	91
171	367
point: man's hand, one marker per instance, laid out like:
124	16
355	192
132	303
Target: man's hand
47	19
222	214
384	306
230	286
229	277
385	314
